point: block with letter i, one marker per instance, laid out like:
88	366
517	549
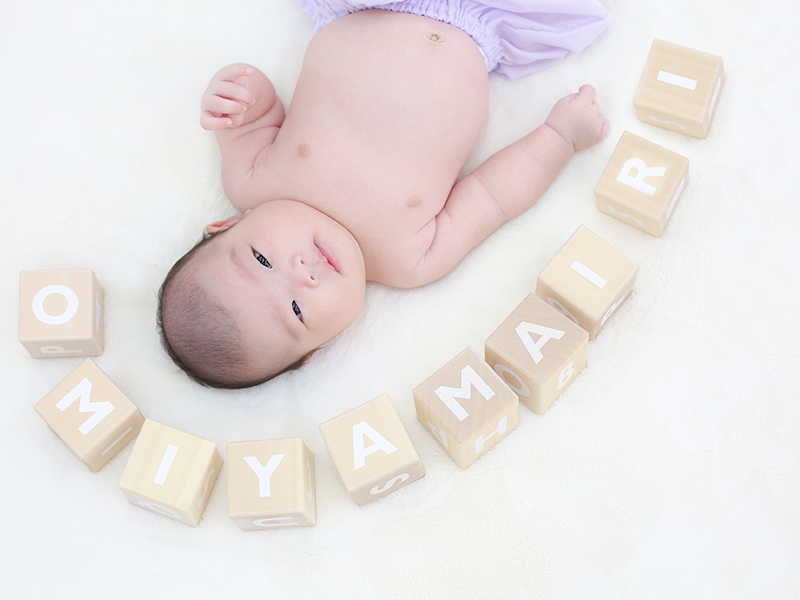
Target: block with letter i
61	313
271	484
371	450
587	280
91	415
538	352
466	407
642	184
171	472
679	89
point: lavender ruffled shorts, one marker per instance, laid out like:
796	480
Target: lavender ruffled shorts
517	37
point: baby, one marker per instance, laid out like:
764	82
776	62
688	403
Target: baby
357	182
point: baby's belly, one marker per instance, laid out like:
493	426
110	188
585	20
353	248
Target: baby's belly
385	113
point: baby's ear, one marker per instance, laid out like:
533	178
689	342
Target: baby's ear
222	225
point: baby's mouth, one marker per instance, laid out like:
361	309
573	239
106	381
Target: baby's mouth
327	258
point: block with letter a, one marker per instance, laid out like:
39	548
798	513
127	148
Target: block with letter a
91	415
271	484
371	450
467	407
171	472
538	352
587	280
679	89
642	183
61	313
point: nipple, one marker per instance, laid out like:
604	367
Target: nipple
304	151
414	201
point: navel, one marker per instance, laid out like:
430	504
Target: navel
436	37
303	151
414	201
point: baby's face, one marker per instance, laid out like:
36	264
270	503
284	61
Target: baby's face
293	278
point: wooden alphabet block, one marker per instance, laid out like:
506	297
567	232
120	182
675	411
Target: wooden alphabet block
271	484
642	184
91	415
587	280
171	472
679	88
466	407
538	352
61	313
372	450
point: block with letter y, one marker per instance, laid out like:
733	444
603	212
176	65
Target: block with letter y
271	484
466	407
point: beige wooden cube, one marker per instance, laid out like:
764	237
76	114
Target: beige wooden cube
171	472
642	183
679	89
466	407
371	450
538	352
91	415
271	484
587	280
61	313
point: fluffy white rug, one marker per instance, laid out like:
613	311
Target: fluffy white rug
668	469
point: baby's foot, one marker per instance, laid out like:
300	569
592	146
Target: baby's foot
578	119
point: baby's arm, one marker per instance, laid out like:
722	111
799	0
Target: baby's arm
510	181
240	105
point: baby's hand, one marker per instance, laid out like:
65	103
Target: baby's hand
578	119
226	98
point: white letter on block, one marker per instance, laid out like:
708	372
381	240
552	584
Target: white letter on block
264	472
69	312
524	331
360	430
166	464
502	427
642	172
379	489
84	391
439	433
469	378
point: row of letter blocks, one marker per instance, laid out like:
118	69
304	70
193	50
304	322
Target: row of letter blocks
468	406
171	472
678	91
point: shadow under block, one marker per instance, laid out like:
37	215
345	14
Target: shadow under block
171	472
537	351
271	484
587	280
679	89
467	407
91	415
371	450
61	313
642	183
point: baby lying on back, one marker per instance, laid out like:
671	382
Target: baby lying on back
356	183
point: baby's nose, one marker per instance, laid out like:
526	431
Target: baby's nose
304	271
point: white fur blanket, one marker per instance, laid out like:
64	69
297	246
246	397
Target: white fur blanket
668	469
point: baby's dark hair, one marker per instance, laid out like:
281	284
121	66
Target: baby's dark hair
199	334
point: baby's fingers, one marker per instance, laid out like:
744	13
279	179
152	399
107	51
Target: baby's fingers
233	90
214	122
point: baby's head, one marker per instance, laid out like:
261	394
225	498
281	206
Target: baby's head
260	294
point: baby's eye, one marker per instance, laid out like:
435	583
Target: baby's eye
262	260
296	310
